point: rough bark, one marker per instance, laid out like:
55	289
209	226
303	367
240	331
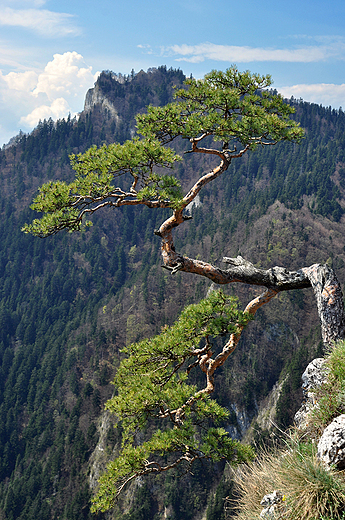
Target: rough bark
329	299
321	278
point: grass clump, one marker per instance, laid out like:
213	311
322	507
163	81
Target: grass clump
310	491
330	396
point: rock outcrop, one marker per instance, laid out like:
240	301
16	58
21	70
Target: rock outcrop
273	505
313	377
95	96
331	447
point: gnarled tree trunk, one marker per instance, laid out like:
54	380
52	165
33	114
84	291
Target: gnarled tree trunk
329	299
321	278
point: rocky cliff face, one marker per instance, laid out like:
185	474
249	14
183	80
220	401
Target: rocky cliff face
95	97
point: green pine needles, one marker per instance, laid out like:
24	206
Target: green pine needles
67	206
231	106
154	387
233	110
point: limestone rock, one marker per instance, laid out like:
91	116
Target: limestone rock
272	503
331	447
95	96
313	377
268	408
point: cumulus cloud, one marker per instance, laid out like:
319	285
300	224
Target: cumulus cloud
243	54
327	94
56	110
65	73
43	22
54	92
23	81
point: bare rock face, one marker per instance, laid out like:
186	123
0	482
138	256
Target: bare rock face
313	377
331	447
95	96
272	505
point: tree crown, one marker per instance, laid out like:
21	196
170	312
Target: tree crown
154	385
234	109
231	106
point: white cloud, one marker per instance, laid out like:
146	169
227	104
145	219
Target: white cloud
45	23
54	92
146	47
327	94
56	110
64	74
23	81
243	54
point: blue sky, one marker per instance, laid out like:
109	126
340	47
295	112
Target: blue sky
51	51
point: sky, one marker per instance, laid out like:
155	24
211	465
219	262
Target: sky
52	51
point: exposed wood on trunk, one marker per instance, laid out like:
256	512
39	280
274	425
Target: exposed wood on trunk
329	299
239	270
321	278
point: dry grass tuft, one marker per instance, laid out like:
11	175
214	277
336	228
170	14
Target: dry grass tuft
311	492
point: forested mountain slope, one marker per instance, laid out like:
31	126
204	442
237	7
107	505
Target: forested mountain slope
69	303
